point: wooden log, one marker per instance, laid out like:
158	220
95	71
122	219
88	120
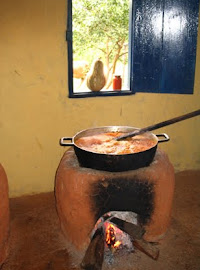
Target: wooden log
94	255
135	231
149	249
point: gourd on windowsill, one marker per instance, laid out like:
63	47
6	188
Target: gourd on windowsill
96	79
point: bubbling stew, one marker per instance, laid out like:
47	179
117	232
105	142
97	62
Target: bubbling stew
105	143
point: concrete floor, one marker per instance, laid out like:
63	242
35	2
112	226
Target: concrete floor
36	241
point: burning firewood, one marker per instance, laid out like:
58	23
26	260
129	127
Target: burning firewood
110	237
105	233
94	255
136	232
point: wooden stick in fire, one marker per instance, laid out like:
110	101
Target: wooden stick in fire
136	232
94	255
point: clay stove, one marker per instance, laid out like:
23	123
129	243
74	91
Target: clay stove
85	196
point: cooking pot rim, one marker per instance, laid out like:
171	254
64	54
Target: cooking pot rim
102	129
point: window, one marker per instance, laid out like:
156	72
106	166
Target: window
159	54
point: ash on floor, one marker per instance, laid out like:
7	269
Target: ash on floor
36	241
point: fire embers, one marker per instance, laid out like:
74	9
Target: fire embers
116	240
110	234
117	243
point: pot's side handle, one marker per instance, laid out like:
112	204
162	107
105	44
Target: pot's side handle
63	143
166	137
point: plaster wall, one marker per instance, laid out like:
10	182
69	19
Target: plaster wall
35	111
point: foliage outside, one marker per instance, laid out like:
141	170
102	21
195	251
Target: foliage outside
100	30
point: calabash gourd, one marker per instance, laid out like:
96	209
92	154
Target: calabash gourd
96	79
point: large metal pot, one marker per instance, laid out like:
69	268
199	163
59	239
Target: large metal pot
111	162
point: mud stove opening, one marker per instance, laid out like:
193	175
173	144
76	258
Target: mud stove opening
107	217
115	236
119	232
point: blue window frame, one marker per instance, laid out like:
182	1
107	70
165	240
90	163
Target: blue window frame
163	48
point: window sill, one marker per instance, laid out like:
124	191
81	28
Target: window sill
101	94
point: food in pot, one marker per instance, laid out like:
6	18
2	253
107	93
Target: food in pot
105	143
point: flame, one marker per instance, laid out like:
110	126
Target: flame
111	236
117	244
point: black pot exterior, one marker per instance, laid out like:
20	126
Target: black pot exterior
115	163
109	162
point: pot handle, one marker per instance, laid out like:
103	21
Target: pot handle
63	143
166	137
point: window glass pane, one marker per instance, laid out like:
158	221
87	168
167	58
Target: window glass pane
100	44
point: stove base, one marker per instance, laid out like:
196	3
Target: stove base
83	194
